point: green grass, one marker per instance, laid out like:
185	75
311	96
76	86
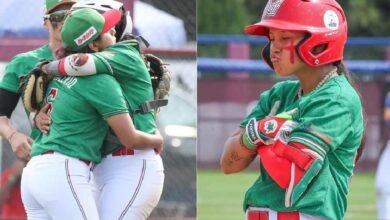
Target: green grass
220	196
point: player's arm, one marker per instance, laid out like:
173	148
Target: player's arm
123	127
298	154
235	156
107	97
81	64
19	142
244	143
8	103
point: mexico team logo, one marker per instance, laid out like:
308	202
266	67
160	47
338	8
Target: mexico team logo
272	7
78	60
270	126
331	21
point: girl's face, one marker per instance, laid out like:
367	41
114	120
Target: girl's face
282	52
107	39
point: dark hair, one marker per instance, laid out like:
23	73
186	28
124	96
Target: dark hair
342	69
121	26
85	49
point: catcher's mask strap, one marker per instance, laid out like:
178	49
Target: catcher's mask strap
143	40
151	105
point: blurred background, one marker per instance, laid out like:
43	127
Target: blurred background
231	75
169	26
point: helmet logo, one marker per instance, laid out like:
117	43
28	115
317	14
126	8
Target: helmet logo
272	7
331	20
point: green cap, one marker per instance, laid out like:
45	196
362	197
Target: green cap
82	26
51	5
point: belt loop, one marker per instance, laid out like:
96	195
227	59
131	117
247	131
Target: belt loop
288	216
91	166
257	215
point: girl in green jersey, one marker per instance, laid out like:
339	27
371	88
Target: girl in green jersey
307	132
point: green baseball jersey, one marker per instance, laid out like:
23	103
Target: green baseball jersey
128	68
330	122
123	60
78	108
21	64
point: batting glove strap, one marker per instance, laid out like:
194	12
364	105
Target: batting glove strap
251	137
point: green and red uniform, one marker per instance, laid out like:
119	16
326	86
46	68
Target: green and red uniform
330	122
124	62
78	108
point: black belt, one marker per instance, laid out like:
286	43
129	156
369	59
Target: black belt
151	105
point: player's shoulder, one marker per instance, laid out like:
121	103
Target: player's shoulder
30	58
285	86
341	89
127	45
97	85
103	80
337	92
36	54
347	93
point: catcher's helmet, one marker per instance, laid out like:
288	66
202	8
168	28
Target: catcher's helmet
323	20
125	26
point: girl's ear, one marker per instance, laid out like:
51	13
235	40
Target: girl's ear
93	46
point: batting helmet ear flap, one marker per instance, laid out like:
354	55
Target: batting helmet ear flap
299	44
266	54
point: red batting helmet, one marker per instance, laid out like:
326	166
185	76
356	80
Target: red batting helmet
323	20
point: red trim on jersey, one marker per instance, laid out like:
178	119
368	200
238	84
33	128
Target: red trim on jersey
61	67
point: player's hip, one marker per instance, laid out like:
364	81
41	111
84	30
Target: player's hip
128	168
257	213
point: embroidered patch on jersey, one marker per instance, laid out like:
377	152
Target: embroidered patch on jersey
272	8
270	126
78	60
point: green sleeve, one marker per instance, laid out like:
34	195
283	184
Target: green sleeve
102	65
10	79
80	64
106	96
323	125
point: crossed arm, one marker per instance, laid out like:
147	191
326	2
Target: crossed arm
235	158
130	137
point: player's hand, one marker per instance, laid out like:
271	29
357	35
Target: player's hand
159	147
43	120
284	132
262	132
21	145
